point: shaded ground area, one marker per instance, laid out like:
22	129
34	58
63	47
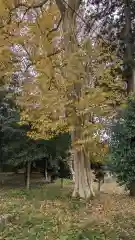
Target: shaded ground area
8	180
48	212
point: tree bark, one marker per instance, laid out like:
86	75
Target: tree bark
83	180
72	169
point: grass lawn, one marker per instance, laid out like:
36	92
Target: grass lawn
48	212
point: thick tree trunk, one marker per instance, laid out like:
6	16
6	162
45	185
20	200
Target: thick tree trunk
83	181
82	171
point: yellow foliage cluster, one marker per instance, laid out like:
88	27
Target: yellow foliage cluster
8	31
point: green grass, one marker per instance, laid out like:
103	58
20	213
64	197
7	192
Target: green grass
49	213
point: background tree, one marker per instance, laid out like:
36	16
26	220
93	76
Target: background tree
20	151
122	142
56	162
115	21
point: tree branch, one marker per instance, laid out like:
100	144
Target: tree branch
60	4
54	53
38	5
19	4
55	28
61	7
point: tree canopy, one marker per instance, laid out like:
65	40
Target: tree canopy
71	82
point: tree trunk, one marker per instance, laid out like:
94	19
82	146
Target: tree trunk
62	182
25	175
16	170
82	170
72	170
83	180
46	175
45	171
132	189
99	185
28	171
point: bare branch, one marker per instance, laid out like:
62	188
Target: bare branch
54	53
27	67
55	28
31	62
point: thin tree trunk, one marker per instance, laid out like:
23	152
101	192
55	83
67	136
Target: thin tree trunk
16	170
46	175
28	171
25	174
99	185
62	182
45	170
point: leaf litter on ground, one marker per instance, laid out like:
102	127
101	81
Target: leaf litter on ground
50	213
